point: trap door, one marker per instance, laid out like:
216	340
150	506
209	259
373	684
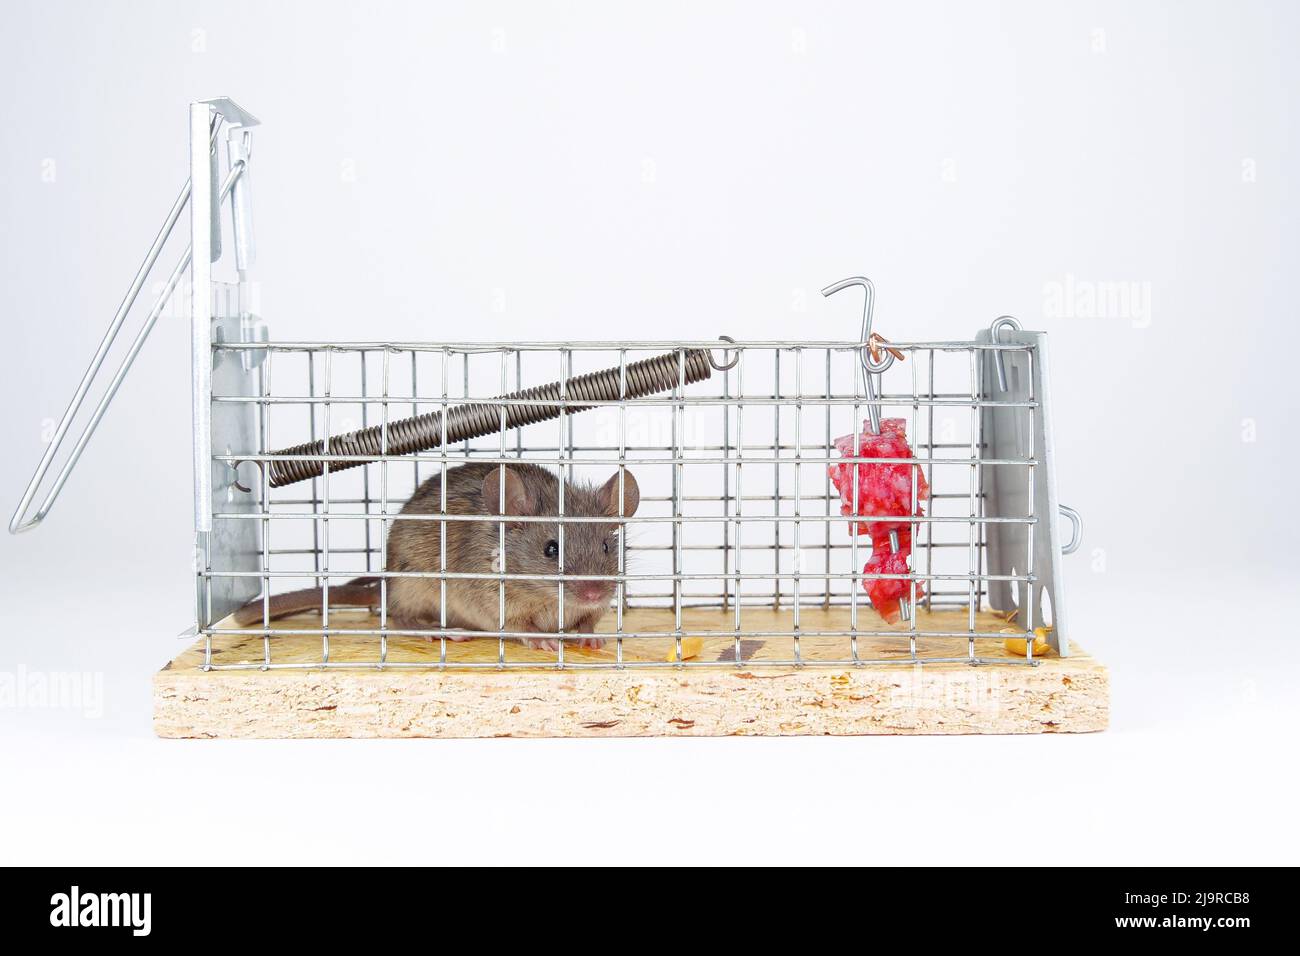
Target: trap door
219	314
234	544
1011	432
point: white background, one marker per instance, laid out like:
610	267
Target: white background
661	170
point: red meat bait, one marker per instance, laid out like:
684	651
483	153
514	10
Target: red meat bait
883	489
886	593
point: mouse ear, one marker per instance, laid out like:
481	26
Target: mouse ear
608	496
516	496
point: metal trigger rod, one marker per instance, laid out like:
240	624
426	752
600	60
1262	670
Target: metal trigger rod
876	357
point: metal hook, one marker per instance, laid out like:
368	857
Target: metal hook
235	482
732	363
868	307
871	368
995	333
1076	529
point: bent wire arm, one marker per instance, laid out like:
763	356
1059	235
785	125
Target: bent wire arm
20	521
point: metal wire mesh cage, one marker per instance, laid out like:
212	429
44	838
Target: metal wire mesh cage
307	453
737	513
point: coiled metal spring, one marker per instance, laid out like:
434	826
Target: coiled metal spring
476	419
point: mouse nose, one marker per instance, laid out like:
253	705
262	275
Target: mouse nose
590	592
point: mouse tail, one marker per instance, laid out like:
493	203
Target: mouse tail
359	592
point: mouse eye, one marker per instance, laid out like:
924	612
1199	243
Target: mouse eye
607	546
552	549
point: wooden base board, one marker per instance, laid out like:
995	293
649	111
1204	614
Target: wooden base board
1058	695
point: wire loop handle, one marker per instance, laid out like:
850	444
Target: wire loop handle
995	333
1076	529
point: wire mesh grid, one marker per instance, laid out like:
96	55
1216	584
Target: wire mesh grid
737	508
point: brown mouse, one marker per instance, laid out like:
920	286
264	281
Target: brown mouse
531	547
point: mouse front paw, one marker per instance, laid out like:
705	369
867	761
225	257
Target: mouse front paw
586	626
553	643
541	643
424	624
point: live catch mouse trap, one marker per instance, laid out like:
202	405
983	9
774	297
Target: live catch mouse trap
851	536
